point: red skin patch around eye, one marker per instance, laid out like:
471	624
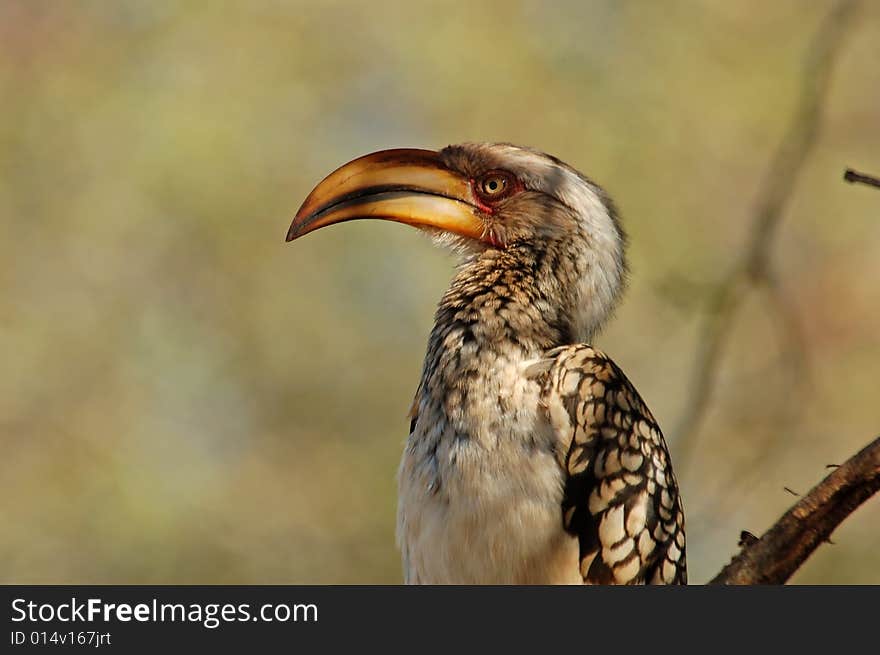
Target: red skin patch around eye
487	208
482	205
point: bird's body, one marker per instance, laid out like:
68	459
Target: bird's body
531	459
480	487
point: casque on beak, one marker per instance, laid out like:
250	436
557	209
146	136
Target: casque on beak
403	185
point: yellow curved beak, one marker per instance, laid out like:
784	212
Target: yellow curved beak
403	185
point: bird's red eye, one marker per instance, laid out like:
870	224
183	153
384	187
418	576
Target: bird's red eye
495	185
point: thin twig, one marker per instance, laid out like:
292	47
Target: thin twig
862	178
774	557
778	186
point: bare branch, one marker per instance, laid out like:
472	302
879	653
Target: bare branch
778	185
863	178
774	557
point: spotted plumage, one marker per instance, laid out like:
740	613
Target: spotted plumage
621	498
531	459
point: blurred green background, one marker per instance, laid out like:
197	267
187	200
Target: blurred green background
186	398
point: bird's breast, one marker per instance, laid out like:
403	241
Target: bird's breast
480	486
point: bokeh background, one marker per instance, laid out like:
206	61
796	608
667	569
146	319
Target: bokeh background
185	398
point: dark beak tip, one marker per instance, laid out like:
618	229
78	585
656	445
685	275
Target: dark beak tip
297	224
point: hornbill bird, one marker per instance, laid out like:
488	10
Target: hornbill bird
531	458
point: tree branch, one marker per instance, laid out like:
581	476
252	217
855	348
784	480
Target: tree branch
774	557
854	176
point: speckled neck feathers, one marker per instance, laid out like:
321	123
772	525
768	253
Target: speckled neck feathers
505	296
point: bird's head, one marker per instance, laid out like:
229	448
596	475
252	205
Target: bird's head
501	205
